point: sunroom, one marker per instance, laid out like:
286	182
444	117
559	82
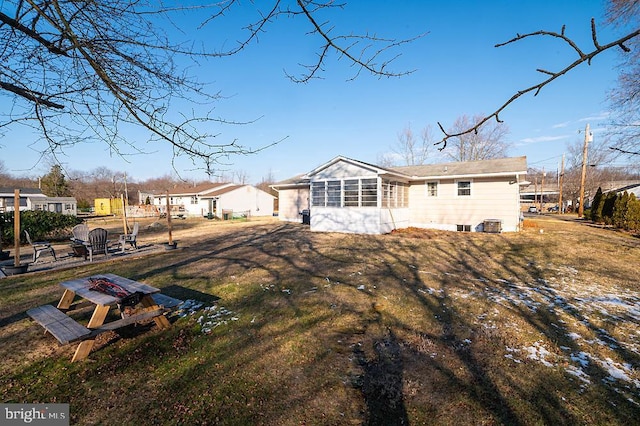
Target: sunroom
356	197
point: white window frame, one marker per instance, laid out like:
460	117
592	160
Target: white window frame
437	184
458	182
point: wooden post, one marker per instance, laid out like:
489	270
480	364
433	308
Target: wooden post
124	215
584	171
561	183
542	191
16	227
169	218
535	194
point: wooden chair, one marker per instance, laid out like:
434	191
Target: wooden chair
80	233
97	242
39	247
130	238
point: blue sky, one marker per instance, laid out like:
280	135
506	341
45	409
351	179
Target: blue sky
457	71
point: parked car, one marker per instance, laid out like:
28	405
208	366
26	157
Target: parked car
533	209
553	209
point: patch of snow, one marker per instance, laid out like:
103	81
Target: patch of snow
511	357
617	371
574	336
214	316
539	353
580	357
576	371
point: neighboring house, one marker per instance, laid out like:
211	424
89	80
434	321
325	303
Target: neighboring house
630	187
216	198
34	199
346	195
535	194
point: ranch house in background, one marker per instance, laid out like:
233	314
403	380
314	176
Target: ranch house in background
346	195
222	200
34	199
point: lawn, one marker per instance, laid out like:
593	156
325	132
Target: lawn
414	327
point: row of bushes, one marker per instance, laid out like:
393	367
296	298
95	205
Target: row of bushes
619	210
40	224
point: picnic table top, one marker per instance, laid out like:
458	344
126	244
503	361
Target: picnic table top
81	287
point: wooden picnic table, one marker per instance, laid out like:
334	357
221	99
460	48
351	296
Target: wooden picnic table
67	330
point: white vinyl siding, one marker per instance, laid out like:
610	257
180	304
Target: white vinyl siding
291	202
491	198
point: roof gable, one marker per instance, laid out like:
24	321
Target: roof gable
343	167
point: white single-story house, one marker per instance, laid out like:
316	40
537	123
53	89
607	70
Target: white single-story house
346	195
219	199
630	187
34	199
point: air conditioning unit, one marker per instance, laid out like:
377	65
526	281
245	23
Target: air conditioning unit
492	225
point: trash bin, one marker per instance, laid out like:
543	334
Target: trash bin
306	217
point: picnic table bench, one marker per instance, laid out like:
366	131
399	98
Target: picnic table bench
66	330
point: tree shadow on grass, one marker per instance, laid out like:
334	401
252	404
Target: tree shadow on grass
381	382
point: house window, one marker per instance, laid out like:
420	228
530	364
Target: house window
369	193
317	194
67	206
395	194
405	195
351	193
388	194
334	193
194	200
348	193
432	189
464	188
463	228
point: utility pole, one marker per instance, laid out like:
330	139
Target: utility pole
587	139
542	191
560	210
535	194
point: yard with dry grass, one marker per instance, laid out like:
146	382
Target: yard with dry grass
414	327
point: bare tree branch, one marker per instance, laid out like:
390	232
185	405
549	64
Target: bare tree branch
84	71
582	58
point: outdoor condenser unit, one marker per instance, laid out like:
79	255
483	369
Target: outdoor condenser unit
492	226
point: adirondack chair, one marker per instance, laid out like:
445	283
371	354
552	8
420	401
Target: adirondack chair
97	242
130	238
39	247
80	233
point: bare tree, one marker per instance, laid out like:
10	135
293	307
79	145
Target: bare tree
619	11
414	151
625	98
486	142
78	71
265	183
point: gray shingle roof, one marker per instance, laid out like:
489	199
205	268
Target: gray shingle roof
466	168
